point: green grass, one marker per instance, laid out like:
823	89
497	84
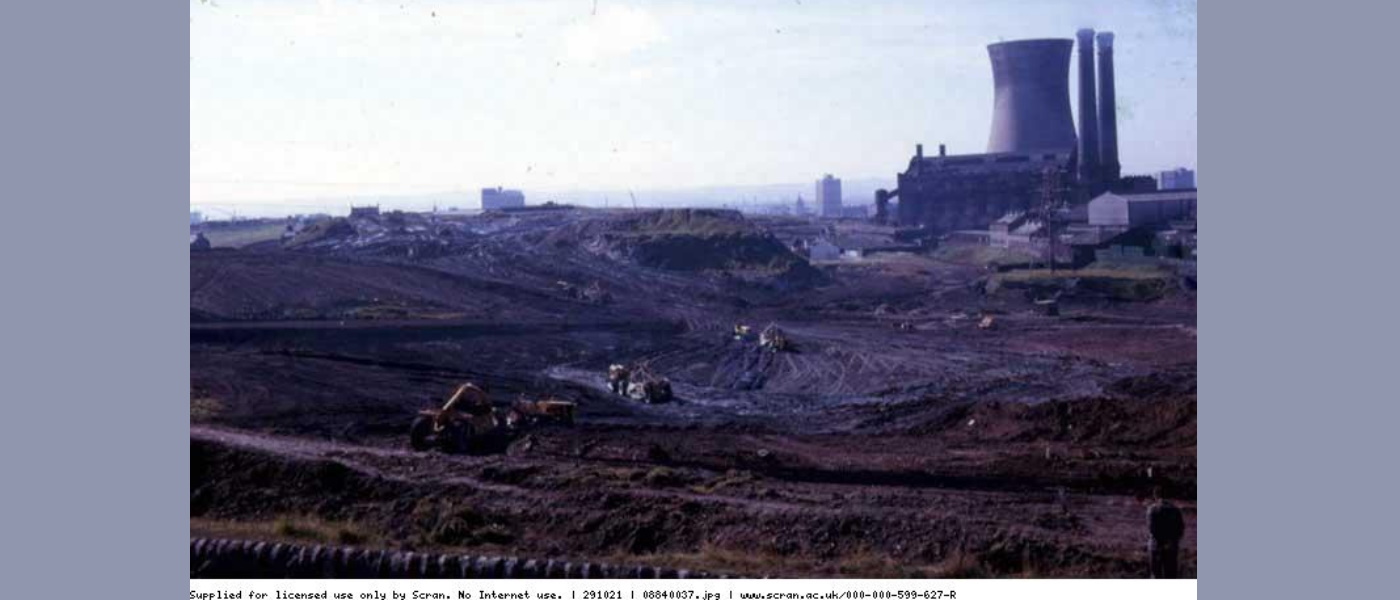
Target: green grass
695	222
205	408
982	256
1116	284
1093	272
286	528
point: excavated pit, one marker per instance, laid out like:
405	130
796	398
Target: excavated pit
896	439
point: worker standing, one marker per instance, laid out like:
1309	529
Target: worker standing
1166	525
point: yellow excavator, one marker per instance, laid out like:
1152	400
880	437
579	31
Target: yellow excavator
468	419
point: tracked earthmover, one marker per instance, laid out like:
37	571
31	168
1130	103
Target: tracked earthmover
466	414
773	339
530	413
618	378
646	387
469	422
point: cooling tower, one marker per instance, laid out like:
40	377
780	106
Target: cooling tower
1031	110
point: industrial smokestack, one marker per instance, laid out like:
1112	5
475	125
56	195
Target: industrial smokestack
1109	170
1088	112
1031	111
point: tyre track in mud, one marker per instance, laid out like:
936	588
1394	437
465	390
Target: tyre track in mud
403	465
345	454
807	495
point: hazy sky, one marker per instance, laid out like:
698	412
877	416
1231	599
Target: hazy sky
293	99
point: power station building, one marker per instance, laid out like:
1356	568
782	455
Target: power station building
1033	152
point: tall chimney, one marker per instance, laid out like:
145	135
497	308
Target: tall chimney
1031	109
1088	113
1108	113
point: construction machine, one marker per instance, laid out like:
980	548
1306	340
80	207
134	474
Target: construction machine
530	413
468	421
618	377
773	339
466	414
644	386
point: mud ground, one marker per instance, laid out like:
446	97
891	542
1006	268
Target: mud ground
896	439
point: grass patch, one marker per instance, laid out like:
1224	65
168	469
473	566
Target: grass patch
1087	273
205	408
731	478
286	528
981	256
438	524
691	221
666	477
1131	285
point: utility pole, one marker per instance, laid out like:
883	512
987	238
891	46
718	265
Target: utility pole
1051	201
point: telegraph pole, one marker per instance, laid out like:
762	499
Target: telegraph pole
1051	198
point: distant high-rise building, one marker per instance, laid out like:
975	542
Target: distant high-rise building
801	208
829	197
498	198
364	212
1177	179
196	217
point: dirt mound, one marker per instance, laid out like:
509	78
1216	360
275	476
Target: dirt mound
686	240
321	232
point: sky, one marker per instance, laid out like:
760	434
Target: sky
292	101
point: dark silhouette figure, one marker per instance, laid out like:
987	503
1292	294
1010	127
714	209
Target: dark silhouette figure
1165	523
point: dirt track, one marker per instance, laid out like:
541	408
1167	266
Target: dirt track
871	450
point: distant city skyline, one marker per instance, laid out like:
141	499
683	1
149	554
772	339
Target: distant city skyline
292	102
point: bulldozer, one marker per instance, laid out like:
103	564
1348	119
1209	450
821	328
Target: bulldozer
644	386
618	377
773	339
469	422
531	413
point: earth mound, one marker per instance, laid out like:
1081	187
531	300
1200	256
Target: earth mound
690	240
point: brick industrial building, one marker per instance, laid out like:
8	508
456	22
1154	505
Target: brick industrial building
1033	146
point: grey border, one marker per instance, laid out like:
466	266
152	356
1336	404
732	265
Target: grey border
1297	305
1296	324
94	133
